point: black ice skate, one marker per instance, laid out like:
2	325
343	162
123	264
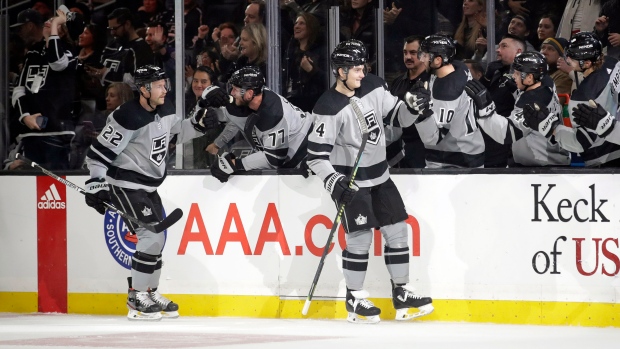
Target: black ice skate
404	298
360	309
141	307
170	310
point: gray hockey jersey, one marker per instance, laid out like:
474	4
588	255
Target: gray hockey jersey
277	132
602	86
336	138
133	145
529	147
451	136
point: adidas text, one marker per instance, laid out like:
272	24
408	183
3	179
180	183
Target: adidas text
51	205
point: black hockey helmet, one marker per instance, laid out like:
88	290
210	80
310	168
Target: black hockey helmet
438	45
348	54
150	73
531	63
584	46
248	78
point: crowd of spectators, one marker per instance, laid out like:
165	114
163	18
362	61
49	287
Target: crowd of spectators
61	97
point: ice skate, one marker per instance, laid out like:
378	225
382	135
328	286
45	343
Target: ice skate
170	310
141	307
404	299
360	309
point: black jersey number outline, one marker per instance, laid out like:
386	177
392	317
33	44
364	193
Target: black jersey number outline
320	130
273	136
111	136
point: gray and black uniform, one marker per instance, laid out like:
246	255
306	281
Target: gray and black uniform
451	136
277	132
529	147
131	153
602	86
333	147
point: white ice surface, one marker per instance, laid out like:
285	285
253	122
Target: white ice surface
25	331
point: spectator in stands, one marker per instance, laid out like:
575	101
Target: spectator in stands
357	21
502	89
255	12
472	27
44	95
150	11
607	27
253	50
125	53
519	26
408	151
193	20
163	53
90	91
89	127
223	41
305	76
553	49
547	27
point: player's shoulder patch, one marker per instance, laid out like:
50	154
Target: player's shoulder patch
132	116
451	86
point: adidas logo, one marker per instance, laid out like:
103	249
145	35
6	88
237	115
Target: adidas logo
51	200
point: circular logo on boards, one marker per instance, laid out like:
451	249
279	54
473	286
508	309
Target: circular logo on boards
120	241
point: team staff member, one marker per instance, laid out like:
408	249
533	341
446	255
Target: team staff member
131	153
332	149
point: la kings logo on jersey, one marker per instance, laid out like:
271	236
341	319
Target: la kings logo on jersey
36	77
158	150
374	129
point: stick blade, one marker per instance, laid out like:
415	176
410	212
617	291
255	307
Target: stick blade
304	311
172	218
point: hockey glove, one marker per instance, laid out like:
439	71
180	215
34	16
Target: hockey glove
419	102
540	119
214	97
338	186
97	194
205	119
483	104
223	167
594	117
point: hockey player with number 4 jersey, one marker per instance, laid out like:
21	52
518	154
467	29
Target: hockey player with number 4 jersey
131	154
372	201
276	129
531	145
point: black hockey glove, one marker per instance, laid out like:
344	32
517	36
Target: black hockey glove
223	167
305	169
540	119
97	193
419	102
483	104
214	97
205	119
594	117
338	186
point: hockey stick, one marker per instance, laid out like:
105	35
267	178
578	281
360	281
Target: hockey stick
172	218
355	104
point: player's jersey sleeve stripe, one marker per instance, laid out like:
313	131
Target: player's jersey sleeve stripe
364	173
101	153
318	148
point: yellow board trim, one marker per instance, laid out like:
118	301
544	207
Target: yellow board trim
500	312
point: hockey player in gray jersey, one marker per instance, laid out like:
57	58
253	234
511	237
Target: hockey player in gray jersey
593	105
276	129
451	136
131	153
530	146
332	148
